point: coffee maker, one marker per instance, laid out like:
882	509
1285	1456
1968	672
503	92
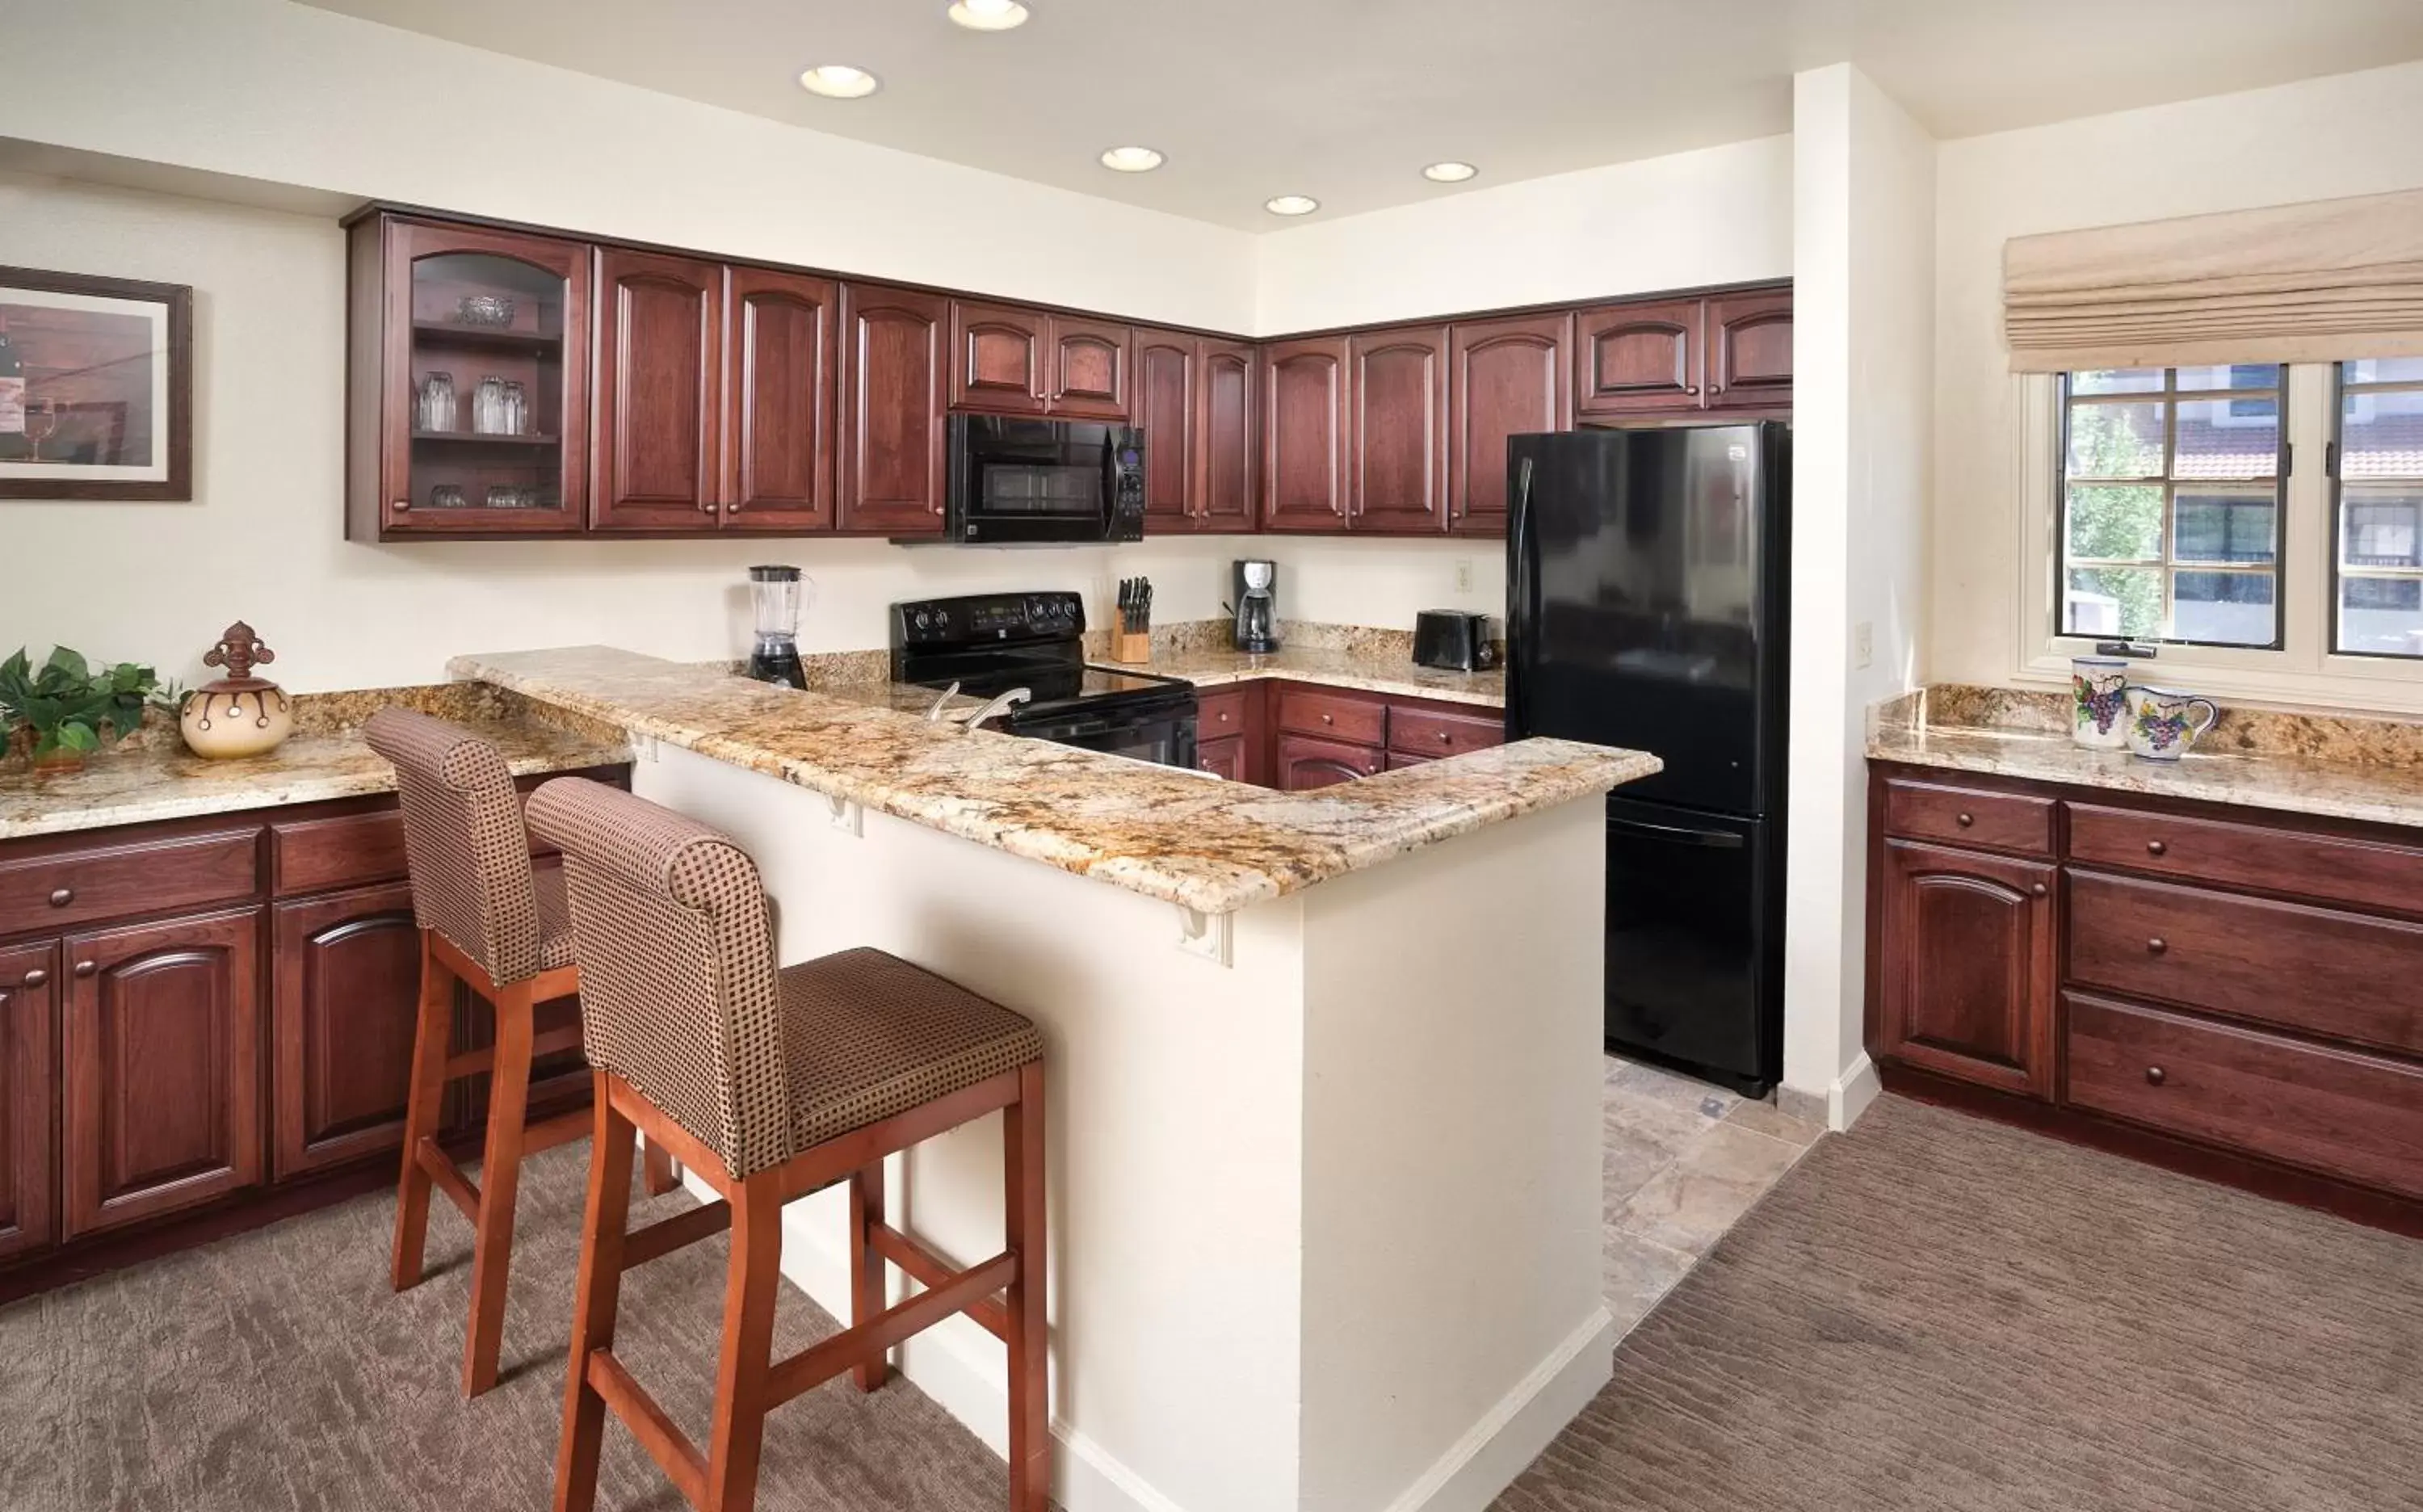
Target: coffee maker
1257	605
774	592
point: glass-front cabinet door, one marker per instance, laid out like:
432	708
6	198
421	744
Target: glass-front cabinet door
486	386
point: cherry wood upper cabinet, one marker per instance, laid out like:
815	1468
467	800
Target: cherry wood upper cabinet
1224	435
659	392
777	384
1305	385
1969	969
431	310
1634	357
1089	369
1505	377
1165	378
1398	439
163	1061
342	1014
1749	351
998	354
894	384
29	1006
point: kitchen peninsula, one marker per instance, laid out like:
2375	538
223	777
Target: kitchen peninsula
1325	1104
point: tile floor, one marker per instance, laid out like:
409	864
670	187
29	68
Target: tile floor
1683	1162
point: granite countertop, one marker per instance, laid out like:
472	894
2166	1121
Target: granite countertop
2337	766
154	777
1168	833
1380	673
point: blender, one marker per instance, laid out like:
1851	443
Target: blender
775	592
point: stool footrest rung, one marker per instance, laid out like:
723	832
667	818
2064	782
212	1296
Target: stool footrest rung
552	1042
448	1177
666	1235
665	1442
820	1363
933	1271
562	1129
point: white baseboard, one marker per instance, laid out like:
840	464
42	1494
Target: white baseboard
1852	1092
1510	1435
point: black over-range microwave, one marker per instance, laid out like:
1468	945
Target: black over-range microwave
1016	481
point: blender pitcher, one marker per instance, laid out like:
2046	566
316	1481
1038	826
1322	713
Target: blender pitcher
776	592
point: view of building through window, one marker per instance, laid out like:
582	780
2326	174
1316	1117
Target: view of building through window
2379	512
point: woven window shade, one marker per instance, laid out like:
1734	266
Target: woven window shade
2313	282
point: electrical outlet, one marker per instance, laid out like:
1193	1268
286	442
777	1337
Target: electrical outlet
1463	575
1863	644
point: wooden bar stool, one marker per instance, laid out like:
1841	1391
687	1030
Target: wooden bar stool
769	1085
492	922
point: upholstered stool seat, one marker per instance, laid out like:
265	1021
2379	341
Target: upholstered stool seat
771	1084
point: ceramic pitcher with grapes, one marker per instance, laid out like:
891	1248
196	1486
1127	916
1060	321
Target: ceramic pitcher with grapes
2099	702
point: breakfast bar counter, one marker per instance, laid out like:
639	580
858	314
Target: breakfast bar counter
1323	1073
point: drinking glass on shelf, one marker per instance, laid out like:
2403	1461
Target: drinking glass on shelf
446	495
488	406
437	401
506	495
516	409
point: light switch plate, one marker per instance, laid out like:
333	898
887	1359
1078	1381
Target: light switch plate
1463	575
1863	644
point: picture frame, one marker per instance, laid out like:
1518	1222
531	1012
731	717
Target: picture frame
107	388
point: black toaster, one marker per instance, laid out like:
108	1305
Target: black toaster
1453	640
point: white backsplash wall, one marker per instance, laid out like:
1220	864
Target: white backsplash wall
264	539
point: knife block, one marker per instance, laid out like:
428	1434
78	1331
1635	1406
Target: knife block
1132	646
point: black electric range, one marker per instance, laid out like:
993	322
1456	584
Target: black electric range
989	643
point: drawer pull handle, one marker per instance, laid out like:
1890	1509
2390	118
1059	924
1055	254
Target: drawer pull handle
85	968
2157	945
1967	819
2155	1075
36	976
1446	738
2155	847
1329	719
2038	890
62	897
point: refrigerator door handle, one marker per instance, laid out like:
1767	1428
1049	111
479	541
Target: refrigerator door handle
1518	618
1677	834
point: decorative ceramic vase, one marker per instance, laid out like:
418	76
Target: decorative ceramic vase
2162	721
2098	687
239	715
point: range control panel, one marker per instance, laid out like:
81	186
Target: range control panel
987	619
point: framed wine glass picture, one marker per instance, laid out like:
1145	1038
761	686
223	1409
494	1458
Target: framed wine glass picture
96	388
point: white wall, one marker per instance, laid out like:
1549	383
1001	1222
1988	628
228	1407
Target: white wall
2350	134
1722	214
1865	193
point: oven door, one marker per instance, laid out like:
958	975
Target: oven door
1163	735
1015	481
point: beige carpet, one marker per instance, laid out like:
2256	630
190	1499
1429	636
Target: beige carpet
276	1371
1934	1312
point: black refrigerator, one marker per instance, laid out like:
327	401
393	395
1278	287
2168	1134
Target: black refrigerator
1647	573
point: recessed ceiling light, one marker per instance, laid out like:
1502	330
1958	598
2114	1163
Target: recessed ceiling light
1448	172
839	81
1132	160
1292	204
988	15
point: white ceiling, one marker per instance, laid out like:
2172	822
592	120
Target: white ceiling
1345	99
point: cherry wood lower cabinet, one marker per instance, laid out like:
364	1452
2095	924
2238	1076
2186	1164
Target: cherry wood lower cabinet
229	1046
2224	989
1300	736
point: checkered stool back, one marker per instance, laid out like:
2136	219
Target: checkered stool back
678	994
464	840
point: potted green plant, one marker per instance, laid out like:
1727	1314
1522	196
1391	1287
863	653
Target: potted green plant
70	708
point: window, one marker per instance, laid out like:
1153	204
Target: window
2378	513
2172	490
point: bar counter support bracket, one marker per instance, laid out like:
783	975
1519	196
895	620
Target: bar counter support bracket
1208	935
849	816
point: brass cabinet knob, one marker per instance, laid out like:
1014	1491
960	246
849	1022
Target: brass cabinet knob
36	976
1691	387
2155	1075
1966	819
85	968
2038	890
403	507
2155	847
2157	945
1329	719
1445	738
62	897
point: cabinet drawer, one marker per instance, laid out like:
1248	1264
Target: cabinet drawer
318	855
2367	873
1431	732
1333	716
2346	975
1219	712
69	888
1969	816
2332	1111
